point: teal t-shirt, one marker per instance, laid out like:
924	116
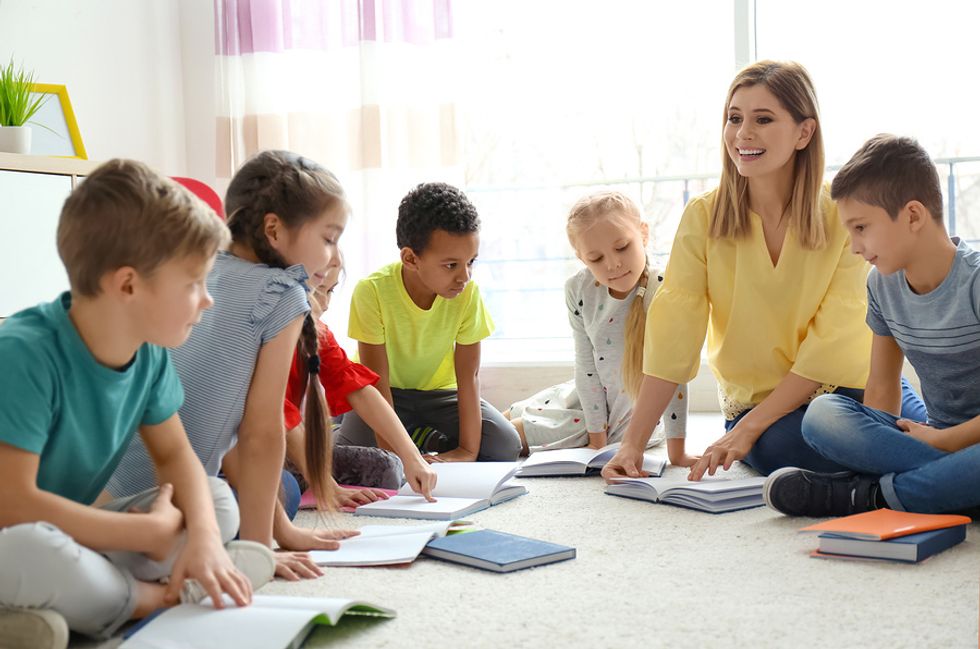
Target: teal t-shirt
59	402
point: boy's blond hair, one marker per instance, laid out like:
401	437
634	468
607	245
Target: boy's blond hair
126	214
585	212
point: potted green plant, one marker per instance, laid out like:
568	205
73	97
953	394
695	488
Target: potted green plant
17	107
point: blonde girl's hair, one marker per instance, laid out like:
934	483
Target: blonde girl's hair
791	84
296	190
586	212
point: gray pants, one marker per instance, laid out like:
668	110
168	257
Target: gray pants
42	567
499	442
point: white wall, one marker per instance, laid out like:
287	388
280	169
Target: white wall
198	65
121	61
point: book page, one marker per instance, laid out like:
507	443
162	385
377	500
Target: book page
466	479
202	627
576	455
435	529
375	550
419	505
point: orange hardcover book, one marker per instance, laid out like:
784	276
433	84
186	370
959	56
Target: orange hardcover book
882	524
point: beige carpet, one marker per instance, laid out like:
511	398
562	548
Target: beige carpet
655	575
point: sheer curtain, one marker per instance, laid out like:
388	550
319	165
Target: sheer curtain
364	87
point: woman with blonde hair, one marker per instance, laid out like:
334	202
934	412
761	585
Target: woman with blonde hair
762	265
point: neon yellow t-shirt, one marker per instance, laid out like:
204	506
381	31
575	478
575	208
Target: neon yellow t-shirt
420	343
804	315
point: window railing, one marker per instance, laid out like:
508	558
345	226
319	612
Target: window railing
525	257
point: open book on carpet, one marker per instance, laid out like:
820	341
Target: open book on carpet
714	495
382	545
580	461
271	622
462	488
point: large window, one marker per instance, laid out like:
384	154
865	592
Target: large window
560	99
891	67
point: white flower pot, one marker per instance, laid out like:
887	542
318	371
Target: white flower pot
15	139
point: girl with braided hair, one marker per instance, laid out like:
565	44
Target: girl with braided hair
286	214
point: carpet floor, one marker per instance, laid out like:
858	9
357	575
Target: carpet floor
654	575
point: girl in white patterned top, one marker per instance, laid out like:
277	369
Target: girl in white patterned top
607	303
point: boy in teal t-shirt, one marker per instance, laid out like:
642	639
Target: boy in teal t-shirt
81	375
419	323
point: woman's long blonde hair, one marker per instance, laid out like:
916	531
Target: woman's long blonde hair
791	84
584	213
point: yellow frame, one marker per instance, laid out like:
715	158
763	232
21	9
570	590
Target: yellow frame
66	109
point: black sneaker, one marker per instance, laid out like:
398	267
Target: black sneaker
798	492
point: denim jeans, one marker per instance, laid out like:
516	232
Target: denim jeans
915	476
782	444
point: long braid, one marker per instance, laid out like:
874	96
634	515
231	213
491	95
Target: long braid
294	189
316	414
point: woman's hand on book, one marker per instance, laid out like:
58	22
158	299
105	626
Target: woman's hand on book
205	559
627	463
734	445
421	478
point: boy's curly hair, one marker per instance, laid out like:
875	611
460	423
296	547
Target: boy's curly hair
430	207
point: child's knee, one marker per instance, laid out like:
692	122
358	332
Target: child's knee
823	416
28	552
500	443
225	508
392	471
37	539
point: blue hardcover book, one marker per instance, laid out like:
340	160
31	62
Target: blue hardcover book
912	548
497	551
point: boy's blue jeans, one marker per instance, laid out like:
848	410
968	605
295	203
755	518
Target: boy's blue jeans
915	476
782	444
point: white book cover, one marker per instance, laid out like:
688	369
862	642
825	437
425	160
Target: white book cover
711	494
462	489
578	461
271	622
381	545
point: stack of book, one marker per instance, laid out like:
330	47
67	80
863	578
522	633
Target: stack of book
888	535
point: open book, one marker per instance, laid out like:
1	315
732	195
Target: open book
580	461
382	545
714	495
463	488
271	622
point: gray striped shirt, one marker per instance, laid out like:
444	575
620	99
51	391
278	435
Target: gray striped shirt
939	332
252	304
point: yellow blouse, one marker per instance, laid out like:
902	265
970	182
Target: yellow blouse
804	315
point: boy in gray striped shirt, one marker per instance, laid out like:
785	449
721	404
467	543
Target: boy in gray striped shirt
924	305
